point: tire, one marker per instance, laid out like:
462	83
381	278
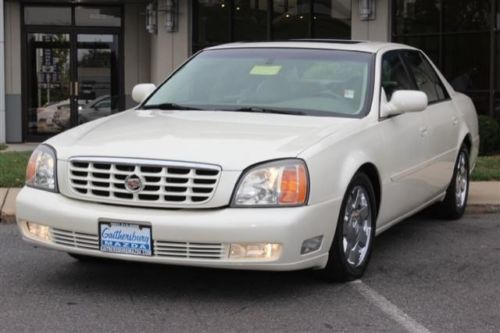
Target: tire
455	201
343	263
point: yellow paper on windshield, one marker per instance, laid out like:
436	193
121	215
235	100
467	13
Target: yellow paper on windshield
265	70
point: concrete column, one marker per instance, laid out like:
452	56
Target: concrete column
170	49
137	49
2	77
376	30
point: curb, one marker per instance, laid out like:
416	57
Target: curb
8	205
482	209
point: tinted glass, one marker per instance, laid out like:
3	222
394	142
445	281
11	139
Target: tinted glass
428	44
467	70
212	23
425	76
103	17
97	77
316	82
466	15
38	15
417	16
291	19
250	20
332	19
49	82
394	74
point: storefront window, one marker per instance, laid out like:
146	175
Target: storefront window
291	19
211	23
417	16
38	15
250	20
102	17
456	35
332	16
222	21
466	15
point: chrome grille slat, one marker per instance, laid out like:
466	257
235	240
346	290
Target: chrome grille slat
165	183
185	250
74	239
190	250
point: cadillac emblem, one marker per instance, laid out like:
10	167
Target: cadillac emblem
134	183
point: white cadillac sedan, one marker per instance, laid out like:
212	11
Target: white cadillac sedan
266	156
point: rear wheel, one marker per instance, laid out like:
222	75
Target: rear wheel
453	205
353	242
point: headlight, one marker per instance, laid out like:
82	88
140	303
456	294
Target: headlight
279	183
41	171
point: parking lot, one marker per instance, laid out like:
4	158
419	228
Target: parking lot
426	275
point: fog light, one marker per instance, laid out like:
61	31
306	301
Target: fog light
259	251
39	231
311	245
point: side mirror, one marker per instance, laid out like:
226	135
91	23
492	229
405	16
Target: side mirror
403	101
141	91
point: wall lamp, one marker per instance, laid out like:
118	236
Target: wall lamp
171	12
367	10
151	18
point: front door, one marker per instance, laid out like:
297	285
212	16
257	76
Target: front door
73	73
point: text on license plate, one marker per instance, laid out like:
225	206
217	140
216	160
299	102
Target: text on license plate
125	238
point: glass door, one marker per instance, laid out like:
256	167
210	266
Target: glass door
50	84
97	88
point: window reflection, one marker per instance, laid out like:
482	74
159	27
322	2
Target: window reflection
332	17
417	16
250	20
211	19
49	59
291	19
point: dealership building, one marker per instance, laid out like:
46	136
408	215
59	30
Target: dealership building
63	63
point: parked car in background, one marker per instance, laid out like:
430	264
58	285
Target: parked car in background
271	156
97	108
48	116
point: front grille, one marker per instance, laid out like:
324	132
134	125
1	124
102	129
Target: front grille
190	250
167	249
162	182
74	239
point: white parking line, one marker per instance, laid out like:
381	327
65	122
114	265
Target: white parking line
388	308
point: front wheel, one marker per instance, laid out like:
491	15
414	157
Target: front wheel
353	242
453	205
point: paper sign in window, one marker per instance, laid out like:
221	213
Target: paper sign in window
265	70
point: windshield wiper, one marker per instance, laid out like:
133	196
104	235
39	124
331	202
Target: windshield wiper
267	110
169	106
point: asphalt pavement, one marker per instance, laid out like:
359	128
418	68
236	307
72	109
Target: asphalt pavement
426	275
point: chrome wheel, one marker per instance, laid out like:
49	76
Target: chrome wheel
461	180
357	226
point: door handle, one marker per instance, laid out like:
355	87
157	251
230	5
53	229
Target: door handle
423	131
76	88
71	89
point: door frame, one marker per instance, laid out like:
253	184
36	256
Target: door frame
73	31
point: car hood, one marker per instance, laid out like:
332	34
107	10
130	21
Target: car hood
233	140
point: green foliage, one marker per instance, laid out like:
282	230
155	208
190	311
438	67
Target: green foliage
3	146
13	168
489	131
487	168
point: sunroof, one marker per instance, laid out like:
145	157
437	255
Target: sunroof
325	40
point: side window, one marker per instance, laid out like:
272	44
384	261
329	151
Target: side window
394	74
425	76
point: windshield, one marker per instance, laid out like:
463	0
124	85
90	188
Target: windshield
296	81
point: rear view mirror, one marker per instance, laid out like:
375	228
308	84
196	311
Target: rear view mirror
141	91
403	101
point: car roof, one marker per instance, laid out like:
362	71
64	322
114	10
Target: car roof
330	44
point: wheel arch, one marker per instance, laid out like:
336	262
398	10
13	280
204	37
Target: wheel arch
371	171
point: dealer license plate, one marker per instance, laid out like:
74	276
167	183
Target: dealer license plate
125	238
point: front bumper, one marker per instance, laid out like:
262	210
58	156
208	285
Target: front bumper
286	226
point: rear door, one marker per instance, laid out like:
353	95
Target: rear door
439	118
